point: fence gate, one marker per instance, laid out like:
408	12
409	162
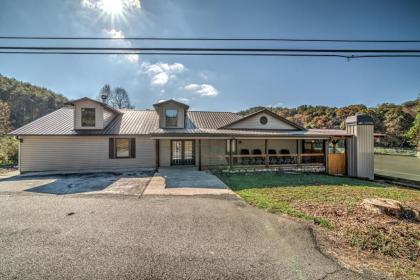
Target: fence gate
337	164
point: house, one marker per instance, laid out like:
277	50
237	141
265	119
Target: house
90	135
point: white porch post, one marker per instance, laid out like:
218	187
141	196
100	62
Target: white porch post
299	151
266	152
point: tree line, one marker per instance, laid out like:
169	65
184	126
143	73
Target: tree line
400	123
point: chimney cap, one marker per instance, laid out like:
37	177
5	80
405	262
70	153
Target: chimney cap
360	119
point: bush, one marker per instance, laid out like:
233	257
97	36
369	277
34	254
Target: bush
9	148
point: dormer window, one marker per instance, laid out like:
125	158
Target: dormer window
88	117
171	117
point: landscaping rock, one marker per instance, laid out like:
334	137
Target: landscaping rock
390	207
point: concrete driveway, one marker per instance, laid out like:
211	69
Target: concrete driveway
154	237
132	183
186	181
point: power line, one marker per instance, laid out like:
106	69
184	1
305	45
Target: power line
254	50
212	54
208	39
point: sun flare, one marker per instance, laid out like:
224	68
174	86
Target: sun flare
112	7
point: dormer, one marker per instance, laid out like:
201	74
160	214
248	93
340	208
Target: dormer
172	114
91	114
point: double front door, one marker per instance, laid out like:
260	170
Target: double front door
182	152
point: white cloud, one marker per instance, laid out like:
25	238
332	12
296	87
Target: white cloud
202	90
160	79
182	99
160	73
113	33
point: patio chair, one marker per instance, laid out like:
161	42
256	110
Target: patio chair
258	160
272	159
245	160
285	159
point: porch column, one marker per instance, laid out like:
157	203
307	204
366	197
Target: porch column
230	154
157	148
299	151
199	154
266	152
326	144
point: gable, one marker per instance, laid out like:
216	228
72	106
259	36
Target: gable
256	121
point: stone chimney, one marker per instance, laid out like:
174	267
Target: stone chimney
360	147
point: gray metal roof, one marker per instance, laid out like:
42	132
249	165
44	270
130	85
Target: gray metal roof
309	133
146	122
129	122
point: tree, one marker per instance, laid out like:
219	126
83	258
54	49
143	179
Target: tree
413	134
120	99
117	98
4	118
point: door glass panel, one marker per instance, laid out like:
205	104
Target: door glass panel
176	152
188	150
182	152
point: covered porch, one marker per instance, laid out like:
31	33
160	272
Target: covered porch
325	154
306	154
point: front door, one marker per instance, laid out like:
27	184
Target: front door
182	152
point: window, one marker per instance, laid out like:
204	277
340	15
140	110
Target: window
171	118
313	146
233	143
263	120
122	147
88	117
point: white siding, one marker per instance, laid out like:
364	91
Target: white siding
213	152
254	123
360	151
45	153
99	114
165	152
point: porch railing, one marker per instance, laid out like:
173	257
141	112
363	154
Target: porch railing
276	159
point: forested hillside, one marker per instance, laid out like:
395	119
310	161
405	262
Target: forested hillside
27	102
21	103
393	120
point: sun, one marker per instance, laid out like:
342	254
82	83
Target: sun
112	7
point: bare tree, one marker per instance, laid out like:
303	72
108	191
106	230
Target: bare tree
120	99
117	98
105	94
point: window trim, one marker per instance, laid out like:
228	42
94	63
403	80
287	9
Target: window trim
129	147
81	116
263	122
176	118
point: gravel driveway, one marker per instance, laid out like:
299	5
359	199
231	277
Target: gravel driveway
154	237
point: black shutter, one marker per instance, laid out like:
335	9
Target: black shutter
111	148
133	148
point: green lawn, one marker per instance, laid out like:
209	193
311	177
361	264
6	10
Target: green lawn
334	204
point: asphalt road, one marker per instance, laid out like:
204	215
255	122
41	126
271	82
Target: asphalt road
166	237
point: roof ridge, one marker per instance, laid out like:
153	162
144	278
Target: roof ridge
204	111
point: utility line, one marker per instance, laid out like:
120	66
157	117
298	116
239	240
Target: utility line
208	39
263	50
214	54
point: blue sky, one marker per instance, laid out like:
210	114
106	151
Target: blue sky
219	83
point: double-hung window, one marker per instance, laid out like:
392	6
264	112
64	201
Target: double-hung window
88	117
171	117
122	147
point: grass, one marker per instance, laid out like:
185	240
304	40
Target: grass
395	151
334	204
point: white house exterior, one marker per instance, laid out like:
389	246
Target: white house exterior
90	135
